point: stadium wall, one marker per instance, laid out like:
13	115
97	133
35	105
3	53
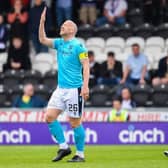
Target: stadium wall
27	127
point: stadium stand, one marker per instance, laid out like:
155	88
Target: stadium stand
34	77
42	91
12	78
141	95
43	62
152	38
105	31
160	96
3	96
99	96
145	30
50	79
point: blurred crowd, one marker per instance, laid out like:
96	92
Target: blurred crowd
19	22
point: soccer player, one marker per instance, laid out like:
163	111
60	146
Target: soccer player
166	153
72	87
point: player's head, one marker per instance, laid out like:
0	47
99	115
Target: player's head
28	90
68	29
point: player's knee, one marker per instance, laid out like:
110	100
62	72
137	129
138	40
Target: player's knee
75	123
49	118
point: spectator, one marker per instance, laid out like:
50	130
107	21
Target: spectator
3	34
153	11
26	3
111	70
162	72
118	114
63	10
114	12
29	99
127	101
88	11
18	56
94	69
48	3
136	67
4	6
18	19
35	14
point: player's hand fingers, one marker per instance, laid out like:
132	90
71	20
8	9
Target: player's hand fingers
86	97
43	15
44	11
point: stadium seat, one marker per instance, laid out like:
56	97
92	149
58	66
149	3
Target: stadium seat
166	46
132	40
145	30
50	79
124	31
155	41
100	96
162	30
122	56
85	31
116	49
95	41
141	94
1	78
3	59
151	59
105	31
16	92
4	96
96	44
12	78
42	91
135	17
155	47
33	77
43	62
81	40
160	96
116	44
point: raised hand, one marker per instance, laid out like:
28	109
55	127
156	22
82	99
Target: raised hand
43	15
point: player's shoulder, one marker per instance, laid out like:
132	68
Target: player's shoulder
78	43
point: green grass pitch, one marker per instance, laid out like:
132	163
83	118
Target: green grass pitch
96	157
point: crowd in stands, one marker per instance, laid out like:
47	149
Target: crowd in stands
19	22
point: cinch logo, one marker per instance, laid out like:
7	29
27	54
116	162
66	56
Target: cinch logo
133	135
91	135
15	136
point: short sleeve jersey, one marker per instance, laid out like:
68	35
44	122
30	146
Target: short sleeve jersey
69	56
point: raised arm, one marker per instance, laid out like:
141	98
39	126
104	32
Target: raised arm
42	35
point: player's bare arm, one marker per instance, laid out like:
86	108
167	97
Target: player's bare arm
86	73
42	35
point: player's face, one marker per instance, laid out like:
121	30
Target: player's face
66	29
